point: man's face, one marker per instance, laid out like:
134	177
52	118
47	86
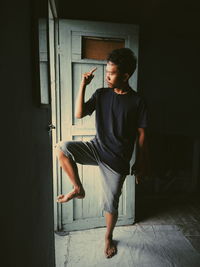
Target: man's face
114	79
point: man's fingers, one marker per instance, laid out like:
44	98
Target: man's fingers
88	76
138	179
93	70
90	73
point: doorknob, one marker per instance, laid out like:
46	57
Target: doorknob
51	127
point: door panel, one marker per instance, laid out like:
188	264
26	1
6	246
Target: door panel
87	213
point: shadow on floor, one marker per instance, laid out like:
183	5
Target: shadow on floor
168	208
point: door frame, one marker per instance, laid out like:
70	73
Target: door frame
57	134
54	83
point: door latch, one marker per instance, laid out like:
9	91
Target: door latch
51	127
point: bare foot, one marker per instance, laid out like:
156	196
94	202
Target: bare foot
110	248
75	193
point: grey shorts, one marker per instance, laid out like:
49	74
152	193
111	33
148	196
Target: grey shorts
85	153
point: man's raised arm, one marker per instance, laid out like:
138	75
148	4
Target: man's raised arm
86	79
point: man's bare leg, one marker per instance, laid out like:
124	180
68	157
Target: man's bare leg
110	247
72	171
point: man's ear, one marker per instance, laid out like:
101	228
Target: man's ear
126	77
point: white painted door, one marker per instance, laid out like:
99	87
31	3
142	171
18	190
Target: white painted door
87	213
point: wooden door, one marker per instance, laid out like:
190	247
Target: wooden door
73	61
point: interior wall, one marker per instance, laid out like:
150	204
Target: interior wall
168	79
26	172
169	57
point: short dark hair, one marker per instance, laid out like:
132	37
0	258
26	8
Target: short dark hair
125	59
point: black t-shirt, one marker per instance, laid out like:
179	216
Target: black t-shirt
117	118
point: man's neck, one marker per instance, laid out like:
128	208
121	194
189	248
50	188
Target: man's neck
122	90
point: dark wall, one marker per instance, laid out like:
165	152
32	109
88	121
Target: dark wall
26	176
169	70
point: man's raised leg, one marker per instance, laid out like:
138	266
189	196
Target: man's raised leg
110	247
70	167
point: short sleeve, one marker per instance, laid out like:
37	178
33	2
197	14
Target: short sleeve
90	104
142	114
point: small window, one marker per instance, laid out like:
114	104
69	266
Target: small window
99	47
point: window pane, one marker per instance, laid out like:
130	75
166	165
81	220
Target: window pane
99	47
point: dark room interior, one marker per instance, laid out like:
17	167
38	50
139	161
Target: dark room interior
168	73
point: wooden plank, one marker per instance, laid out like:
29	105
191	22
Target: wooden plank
66	107
76	47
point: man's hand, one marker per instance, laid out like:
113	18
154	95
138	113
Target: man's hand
139	177
87	77
139	174
141	166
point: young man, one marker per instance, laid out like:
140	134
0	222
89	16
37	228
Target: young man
121	117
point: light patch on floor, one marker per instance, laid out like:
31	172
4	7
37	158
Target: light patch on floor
137	245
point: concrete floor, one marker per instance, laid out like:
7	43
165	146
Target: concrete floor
166	233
